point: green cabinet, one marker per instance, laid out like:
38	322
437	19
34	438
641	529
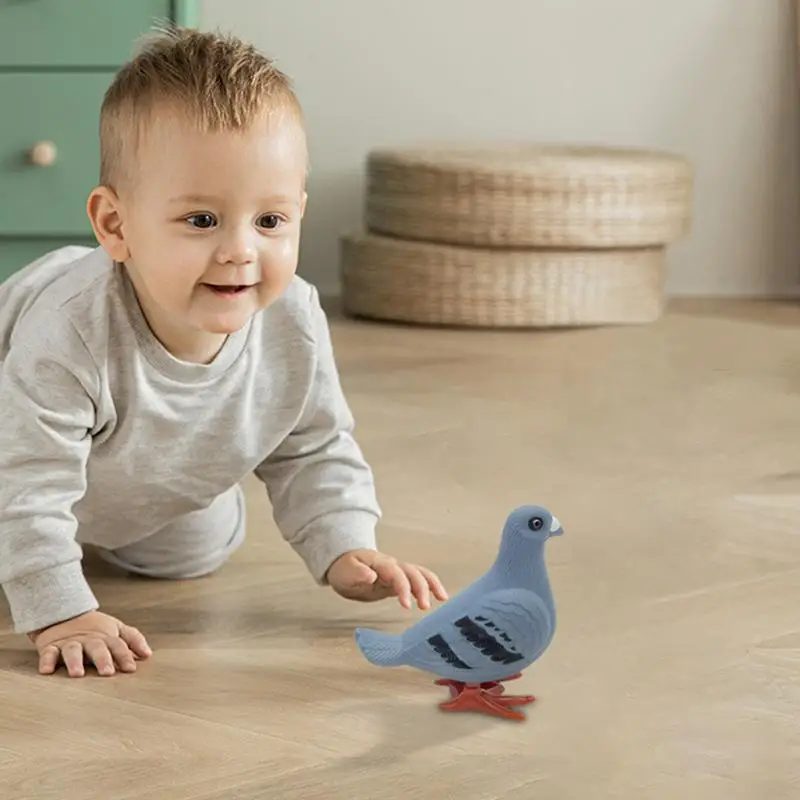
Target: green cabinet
61	127
56	60
74	33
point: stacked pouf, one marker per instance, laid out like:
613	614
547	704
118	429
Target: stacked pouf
516	236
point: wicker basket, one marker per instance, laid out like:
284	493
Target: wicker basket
398	280
529	196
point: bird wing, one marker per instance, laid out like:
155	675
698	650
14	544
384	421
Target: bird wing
519	620
507	628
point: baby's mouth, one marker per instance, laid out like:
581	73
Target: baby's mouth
227	289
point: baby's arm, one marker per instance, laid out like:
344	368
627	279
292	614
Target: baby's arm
47	414
320	486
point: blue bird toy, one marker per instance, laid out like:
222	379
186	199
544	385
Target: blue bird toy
489	632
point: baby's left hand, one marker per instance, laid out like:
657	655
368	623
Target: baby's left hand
368	575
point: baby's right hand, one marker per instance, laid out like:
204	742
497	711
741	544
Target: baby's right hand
102	639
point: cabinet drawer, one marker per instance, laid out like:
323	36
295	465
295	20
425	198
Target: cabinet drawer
75	33
63	109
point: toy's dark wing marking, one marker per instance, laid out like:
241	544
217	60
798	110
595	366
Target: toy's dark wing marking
523	617
484	641
443	649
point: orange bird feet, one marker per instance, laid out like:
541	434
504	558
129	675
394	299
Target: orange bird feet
485	698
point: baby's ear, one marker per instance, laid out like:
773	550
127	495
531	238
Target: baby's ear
103	208
303	202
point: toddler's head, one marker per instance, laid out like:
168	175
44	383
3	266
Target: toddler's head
202	185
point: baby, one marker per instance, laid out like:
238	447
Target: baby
143	380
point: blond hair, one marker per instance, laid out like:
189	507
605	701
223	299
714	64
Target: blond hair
216	80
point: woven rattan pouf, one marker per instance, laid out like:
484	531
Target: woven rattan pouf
513	236
386	278
513	196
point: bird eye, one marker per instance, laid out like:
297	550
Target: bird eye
536	523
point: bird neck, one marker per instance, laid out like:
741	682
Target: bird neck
523	566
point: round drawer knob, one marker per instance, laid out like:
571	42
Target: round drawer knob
43	154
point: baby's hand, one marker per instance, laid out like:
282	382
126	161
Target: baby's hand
369	575
103	640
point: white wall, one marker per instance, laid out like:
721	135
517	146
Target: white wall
713	79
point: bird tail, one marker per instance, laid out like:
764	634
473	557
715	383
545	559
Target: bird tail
381	649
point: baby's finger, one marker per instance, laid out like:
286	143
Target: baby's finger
48	659
391	573
364	575
419	585
72	655
134	638
97	652
437	587
121	654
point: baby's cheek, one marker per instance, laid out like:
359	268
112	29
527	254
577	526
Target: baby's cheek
280	259
284	252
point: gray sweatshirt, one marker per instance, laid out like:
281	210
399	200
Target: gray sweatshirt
105	437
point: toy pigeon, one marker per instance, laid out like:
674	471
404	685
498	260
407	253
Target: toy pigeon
489	632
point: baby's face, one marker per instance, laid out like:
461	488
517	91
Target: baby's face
212	223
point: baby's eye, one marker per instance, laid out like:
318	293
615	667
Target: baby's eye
270	221
203	221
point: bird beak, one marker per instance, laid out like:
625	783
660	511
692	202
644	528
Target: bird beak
555	527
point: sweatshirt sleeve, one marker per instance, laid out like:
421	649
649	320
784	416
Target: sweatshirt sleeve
46	418
321	489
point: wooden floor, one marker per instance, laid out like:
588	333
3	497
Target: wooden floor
670	454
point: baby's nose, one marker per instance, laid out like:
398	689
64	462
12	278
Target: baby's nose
238	248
